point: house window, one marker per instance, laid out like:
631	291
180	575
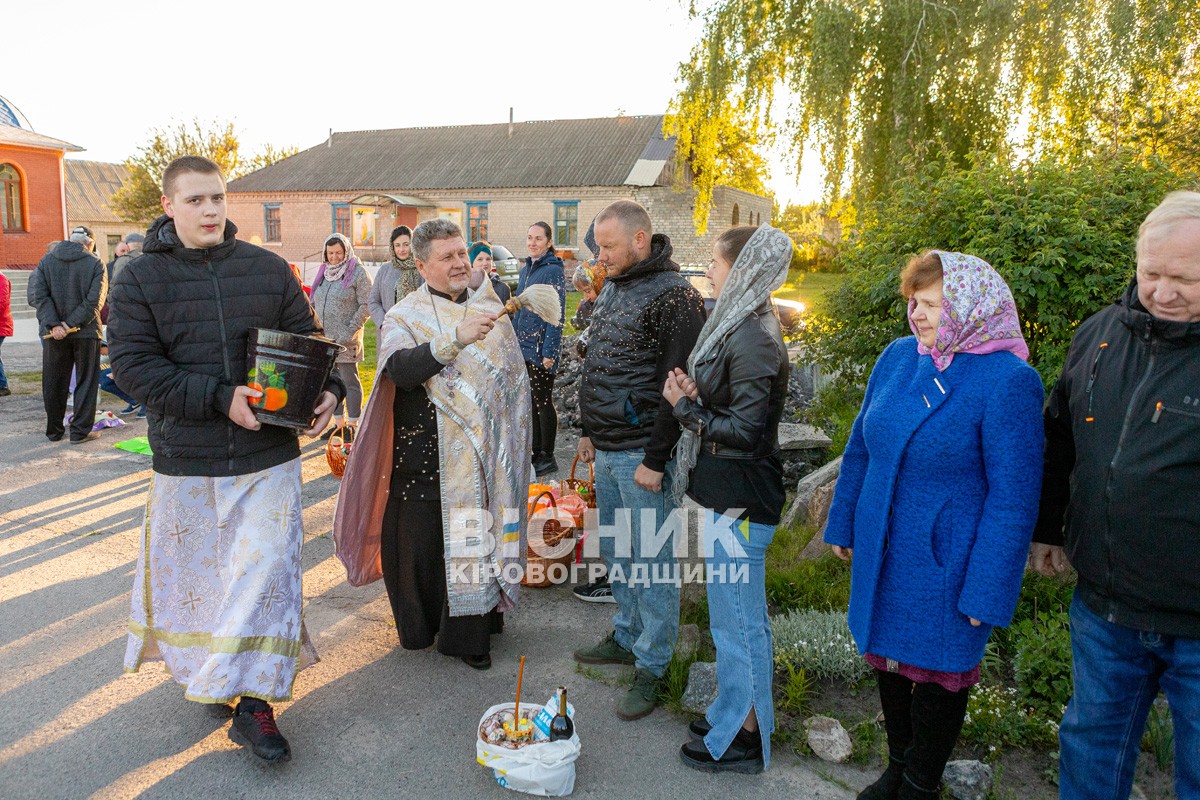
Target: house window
271	223
736	214
342	220
12	217
566	222
477	221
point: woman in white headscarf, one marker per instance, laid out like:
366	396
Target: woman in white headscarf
730	402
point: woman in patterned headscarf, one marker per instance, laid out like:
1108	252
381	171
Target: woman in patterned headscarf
339	295
936	502
730	402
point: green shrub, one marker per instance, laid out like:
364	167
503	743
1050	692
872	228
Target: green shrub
819	643
996	718
797	691
1042	662
1038	596
820	583
1060	233
1159	738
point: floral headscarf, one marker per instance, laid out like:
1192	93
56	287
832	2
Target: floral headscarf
978	312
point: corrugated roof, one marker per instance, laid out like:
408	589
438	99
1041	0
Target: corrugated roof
575	152
90	184
24	138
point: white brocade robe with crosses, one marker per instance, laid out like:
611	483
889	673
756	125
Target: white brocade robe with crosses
217	593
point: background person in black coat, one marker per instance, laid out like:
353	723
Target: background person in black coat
68	288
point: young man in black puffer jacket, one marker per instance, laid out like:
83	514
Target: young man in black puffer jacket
644	325
217	591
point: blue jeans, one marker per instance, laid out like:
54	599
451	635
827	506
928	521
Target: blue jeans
109	385
1118	672
741	630
3	374
647	618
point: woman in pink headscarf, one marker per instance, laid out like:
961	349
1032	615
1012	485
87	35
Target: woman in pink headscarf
936	501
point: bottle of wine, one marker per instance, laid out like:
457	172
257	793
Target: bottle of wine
561	726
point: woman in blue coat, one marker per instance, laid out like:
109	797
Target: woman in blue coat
541	343
936	501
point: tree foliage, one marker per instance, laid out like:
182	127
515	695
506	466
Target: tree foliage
872	82
1061	235
138	199
716	145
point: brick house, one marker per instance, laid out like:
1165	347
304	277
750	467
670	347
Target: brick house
494	180
33	202
90	185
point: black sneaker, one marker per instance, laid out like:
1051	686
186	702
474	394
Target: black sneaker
5	391
128	409
254	727
545	466
699	728
478	662
743	755
598	592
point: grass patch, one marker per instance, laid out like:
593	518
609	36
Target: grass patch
810	288
815	583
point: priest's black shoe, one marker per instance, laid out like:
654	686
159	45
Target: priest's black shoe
478	662
545	465
254	727
743	755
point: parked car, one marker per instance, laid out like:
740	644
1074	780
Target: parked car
508	266
790	312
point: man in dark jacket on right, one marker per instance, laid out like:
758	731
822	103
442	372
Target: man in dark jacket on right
67	289
644	325
1123	470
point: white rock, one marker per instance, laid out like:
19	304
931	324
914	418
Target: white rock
828	739
701	688
803	509
794	436
968	780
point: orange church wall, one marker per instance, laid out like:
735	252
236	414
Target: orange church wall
42	199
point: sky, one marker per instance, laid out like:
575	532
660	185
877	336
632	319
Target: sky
103	75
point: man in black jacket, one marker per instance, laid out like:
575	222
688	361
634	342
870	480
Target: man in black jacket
644	325
67	289
1123	469
217	592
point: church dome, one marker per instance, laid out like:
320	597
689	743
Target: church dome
11	115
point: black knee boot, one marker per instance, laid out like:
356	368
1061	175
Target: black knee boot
937	718
895	696
548	423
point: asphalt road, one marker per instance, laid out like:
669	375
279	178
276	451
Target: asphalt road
370	720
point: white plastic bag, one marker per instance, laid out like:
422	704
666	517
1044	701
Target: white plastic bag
544	768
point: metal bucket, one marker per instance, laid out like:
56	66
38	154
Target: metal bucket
290	370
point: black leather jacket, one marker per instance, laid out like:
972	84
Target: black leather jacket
743	385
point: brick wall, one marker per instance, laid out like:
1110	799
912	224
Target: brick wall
42	189
306	217
671	212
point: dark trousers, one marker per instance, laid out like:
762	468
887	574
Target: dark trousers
58	358
545	418
414	572
922	722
